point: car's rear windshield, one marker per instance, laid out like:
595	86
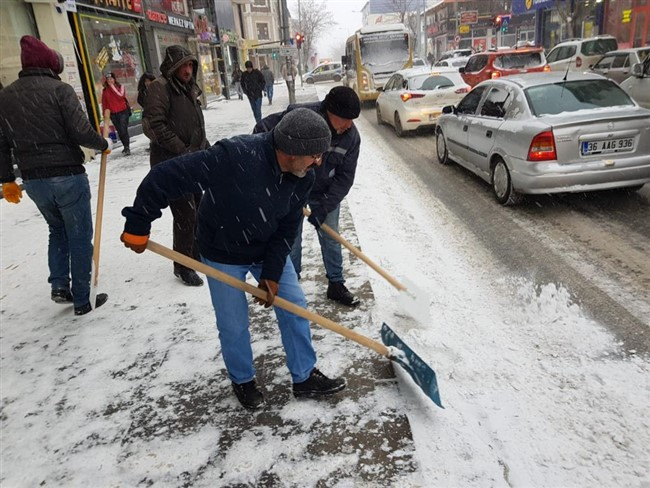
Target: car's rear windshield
434	82
571	96
518	60
599	46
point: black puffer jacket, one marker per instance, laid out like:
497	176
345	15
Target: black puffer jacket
253	84
172	116
42	121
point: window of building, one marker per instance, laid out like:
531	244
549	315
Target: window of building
262	31
16	20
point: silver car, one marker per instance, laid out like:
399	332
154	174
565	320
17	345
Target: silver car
617	65
544	133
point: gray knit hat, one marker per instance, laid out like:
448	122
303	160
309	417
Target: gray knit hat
302	132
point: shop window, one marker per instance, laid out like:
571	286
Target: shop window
16	21
262	31
260	3
113	46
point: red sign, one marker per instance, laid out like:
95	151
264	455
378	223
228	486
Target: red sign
469	17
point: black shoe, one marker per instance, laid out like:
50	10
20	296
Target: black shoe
189	277
338	292
100	300
127	152
249	395
318	385
62	295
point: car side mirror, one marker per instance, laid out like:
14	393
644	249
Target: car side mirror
448	109
380	88
637	70
461	69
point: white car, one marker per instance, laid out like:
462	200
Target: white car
414	98
638	85
458	62
579	54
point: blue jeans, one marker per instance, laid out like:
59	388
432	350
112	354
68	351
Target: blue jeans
231	309
269	92
256	105
64	202
330	249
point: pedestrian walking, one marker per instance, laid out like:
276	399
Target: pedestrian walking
252	82
289	75
334	178
46	148
114	99
269	80
173	121
236	80
143	83
261	183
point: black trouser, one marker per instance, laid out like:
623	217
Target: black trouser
121	122
184	211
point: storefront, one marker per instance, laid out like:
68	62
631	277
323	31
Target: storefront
17	20
629	22
109	42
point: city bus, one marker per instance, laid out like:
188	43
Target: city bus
373	54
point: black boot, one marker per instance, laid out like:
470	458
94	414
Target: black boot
249	395
62	295
188	277
337	291
100	300
318	385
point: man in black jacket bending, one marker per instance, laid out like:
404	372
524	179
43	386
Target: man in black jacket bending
334	178
43	125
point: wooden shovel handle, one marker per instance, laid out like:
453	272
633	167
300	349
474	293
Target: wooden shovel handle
337	237
279	302
99	216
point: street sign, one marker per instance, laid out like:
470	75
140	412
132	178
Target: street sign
287	51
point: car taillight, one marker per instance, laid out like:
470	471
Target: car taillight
547	68
462	90
578	61
542	148
406	96
495	74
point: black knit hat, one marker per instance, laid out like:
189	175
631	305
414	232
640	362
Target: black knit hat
302	132
343	101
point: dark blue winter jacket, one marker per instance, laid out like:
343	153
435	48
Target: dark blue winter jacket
335	176
250	209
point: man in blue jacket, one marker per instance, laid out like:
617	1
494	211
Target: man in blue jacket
334	178
255	189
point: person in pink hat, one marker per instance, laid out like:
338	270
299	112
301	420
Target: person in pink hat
42	127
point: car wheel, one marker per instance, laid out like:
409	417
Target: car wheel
441	147
309	81
378	112
502	184
399	130
337	78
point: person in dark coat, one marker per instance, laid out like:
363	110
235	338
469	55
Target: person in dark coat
334	178
114	99
42	125
259	184
269	79
173	120
143	83
252	82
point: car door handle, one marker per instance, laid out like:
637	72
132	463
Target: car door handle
488	133
464	128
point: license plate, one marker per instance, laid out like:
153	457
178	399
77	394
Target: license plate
609	146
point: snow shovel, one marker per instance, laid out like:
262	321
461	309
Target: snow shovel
100	213
412	300
395	350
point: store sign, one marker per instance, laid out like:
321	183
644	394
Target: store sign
463	29
469	17
162	18
530	6
122	5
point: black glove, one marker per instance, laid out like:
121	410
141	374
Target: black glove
317	217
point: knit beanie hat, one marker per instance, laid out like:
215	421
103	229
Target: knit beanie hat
34	53
343	101
302	132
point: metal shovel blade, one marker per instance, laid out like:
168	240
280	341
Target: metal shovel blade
423	375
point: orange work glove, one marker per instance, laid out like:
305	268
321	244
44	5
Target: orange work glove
135	243
271	288
12	192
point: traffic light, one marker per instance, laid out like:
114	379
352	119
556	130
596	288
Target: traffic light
299	39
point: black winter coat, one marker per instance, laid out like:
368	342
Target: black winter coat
172	116
335	175
253	84
42	122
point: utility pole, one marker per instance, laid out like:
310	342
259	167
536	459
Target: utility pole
300	56
286	39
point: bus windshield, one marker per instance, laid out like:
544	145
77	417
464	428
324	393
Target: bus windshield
384	52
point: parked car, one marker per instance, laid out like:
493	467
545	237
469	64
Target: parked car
324	72
414	98
539	133
504	62
638	85
456	53
579	54
457	63
617	65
